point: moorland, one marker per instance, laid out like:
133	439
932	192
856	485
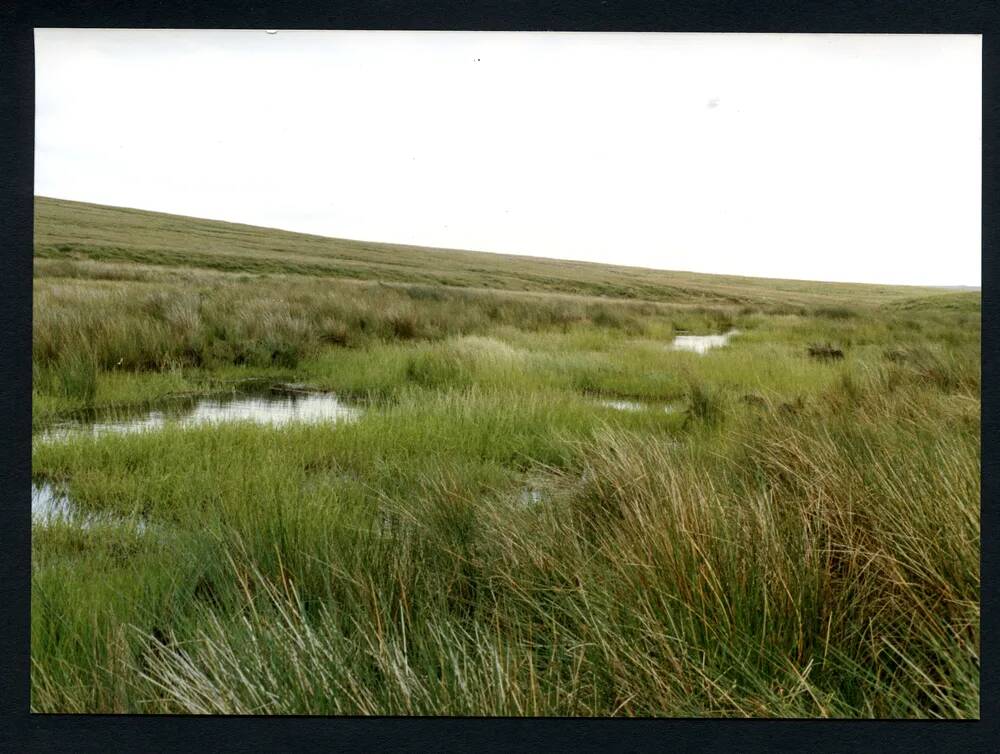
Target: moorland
538	505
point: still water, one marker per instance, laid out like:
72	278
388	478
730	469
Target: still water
269	409
702	343
619	405
49	505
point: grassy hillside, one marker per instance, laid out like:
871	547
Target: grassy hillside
75	230
544	507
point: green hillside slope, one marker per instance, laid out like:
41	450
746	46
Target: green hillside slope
76	230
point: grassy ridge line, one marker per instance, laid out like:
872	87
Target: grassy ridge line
67	228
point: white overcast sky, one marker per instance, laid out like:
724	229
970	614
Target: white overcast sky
823	157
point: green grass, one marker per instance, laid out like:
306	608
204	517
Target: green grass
68	231
799	537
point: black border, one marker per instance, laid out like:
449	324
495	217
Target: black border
22	732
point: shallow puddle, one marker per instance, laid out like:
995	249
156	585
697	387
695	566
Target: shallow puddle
50	505
619	405
624	405
702	343
279	409
271	408
531	496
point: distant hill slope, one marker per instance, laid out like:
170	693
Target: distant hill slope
68	229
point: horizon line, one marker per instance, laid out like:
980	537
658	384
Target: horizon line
508	253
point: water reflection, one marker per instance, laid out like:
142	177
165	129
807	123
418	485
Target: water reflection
531	496
270	409
50	505
624	405
702	343
620	405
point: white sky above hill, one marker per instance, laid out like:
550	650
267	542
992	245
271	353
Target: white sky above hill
822	157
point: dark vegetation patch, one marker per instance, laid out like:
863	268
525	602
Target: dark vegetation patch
825	352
